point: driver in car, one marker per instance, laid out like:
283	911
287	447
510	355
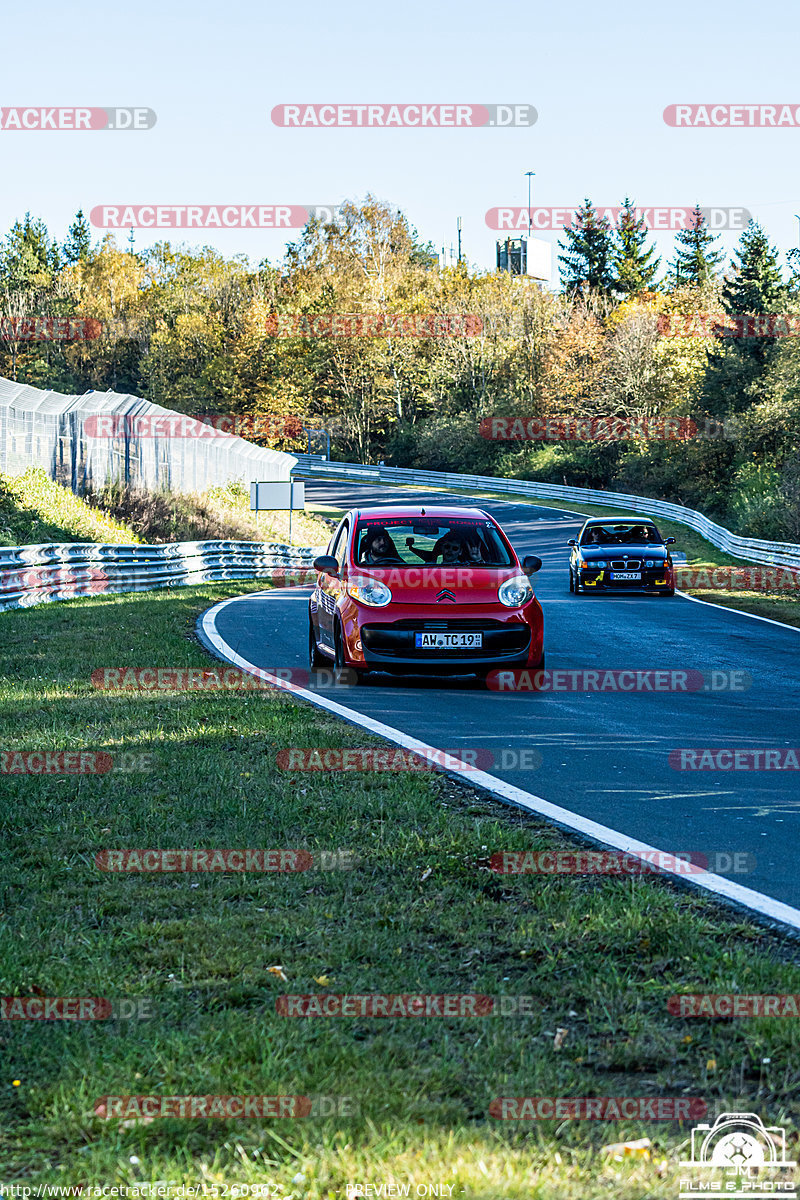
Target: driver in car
378	548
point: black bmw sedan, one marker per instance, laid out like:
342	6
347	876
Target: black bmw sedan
621	554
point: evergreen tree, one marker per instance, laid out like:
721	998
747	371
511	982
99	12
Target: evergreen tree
78	244
737	366
28	259
587	261
695	261
756	284
634	267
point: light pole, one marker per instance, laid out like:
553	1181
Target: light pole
530	174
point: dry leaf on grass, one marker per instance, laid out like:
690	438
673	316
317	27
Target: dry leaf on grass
620	1150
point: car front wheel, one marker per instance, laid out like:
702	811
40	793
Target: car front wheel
316	658
342	673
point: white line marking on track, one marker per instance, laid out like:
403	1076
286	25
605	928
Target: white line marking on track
740	611
717	885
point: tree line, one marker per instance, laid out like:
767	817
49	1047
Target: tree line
197	332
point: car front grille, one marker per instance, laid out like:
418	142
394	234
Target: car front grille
397	639
630	564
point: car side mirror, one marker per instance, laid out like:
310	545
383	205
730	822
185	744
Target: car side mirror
531	563
572	542
326	564
669	541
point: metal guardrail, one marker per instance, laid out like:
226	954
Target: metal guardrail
38	574
750	549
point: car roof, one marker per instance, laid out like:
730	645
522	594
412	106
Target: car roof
636	519
435	512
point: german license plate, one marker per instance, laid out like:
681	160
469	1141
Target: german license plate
626	574
448	641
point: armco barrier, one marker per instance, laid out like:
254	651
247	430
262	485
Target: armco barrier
54	571
48	429
750	549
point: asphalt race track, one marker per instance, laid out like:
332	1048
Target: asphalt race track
604	756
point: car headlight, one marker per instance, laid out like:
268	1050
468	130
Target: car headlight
650	562
369	591
515	591
600	562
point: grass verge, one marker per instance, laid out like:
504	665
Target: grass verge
34	508
421	912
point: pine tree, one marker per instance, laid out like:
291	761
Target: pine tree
78	244
587	261
756	284
634	267
28	259
737	367
695	261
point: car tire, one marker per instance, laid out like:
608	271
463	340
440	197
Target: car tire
571	581
668	592
578	586
316	658
342	673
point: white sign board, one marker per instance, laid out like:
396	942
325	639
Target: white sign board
540	259
280	495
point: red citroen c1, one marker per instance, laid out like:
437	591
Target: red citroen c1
412	590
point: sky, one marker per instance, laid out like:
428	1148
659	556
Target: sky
598	75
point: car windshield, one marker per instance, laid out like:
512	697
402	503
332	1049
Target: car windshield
636	534
425	542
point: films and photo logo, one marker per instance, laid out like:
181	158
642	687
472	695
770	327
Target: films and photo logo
742	1148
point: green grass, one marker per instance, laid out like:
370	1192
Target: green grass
421	912
34	508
